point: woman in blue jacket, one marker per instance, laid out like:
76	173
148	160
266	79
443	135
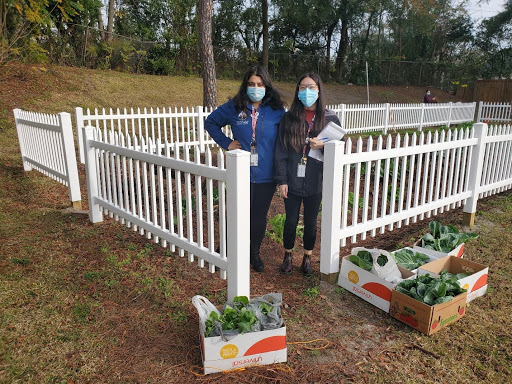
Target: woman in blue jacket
300	177
253	114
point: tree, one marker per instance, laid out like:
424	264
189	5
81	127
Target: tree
110	22
205	11
264	16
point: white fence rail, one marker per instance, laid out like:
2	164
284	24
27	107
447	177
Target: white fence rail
494	112
384	185
178	201
383	117
47	145
178	126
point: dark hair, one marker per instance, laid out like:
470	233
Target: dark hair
293	132
271	97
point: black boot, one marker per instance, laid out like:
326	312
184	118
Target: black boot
256	262
306	265
287	267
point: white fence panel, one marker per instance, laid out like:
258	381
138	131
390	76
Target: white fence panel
381	117
141	185
47	145
372	190
494	112
171	126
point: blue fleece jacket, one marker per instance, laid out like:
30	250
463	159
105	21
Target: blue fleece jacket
241	127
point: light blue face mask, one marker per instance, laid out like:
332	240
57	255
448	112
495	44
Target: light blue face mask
256	93
308	97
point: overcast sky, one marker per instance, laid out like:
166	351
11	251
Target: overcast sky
481	11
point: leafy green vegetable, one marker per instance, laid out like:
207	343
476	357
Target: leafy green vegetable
363	260
409	259
238	317
430	290
444	238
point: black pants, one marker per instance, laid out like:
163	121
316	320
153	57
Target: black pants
292	207
261	197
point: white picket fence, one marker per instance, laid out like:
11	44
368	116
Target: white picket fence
47	145
148	187
178	126
383	117
494	113
418	176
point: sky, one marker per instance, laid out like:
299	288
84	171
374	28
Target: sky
483	10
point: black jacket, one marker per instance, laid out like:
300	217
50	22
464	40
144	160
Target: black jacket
286	161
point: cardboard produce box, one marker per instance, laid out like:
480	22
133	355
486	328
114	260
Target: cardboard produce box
425	318
475	283
457	252
247	349
366	285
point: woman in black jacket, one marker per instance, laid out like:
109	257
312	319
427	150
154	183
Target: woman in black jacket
300	177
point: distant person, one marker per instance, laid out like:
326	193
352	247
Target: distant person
300	177
254	115
428	99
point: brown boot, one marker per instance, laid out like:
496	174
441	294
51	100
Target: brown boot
306	265
287	267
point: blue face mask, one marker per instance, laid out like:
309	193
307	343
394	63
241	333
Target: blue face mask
428	93
256	93
308	97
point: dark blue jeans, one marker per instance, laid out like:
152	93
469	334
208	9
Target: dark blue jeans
311	208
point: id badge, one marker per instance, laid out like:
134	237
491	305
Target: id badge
301	170
254	157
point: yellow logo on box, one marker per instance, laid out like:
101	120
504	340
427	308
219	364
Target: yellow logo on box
353	277
229	351
466	286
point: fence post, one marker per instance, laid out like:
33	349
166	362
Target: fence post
480	106
79	119
450	114
200	127
422	116
475	173
386	119
331	211
238	211
21	140
95	214
68	143
342	116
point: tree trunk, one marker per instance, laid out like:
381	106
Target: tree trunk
205	11
101	26
3	19
330	31
342	50
264	8
110	25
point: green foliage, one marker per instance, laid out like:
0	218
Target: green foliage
444	238
311	293
363	259
277	226
430	290
409	259
236	317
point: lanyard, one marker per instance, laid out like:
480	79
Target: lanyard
307	137
254	117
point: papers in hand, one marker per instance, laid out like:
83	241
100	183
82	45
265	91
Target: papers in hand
331	131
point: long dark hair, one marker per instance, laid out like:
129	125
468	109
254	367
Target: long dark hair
271	97
293	121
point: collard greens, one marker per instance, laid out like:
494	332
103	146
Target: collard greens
431	290
408	259
444	238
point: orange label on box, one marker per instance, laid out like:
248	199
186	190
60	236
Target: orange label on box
353	277
229	351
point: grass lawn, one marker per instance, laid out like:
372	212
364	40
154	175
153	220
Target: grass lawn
84	303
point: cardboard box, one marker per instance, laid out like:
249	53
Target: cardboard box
366	285
475	283
430	257
457	252
425	318
247	349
